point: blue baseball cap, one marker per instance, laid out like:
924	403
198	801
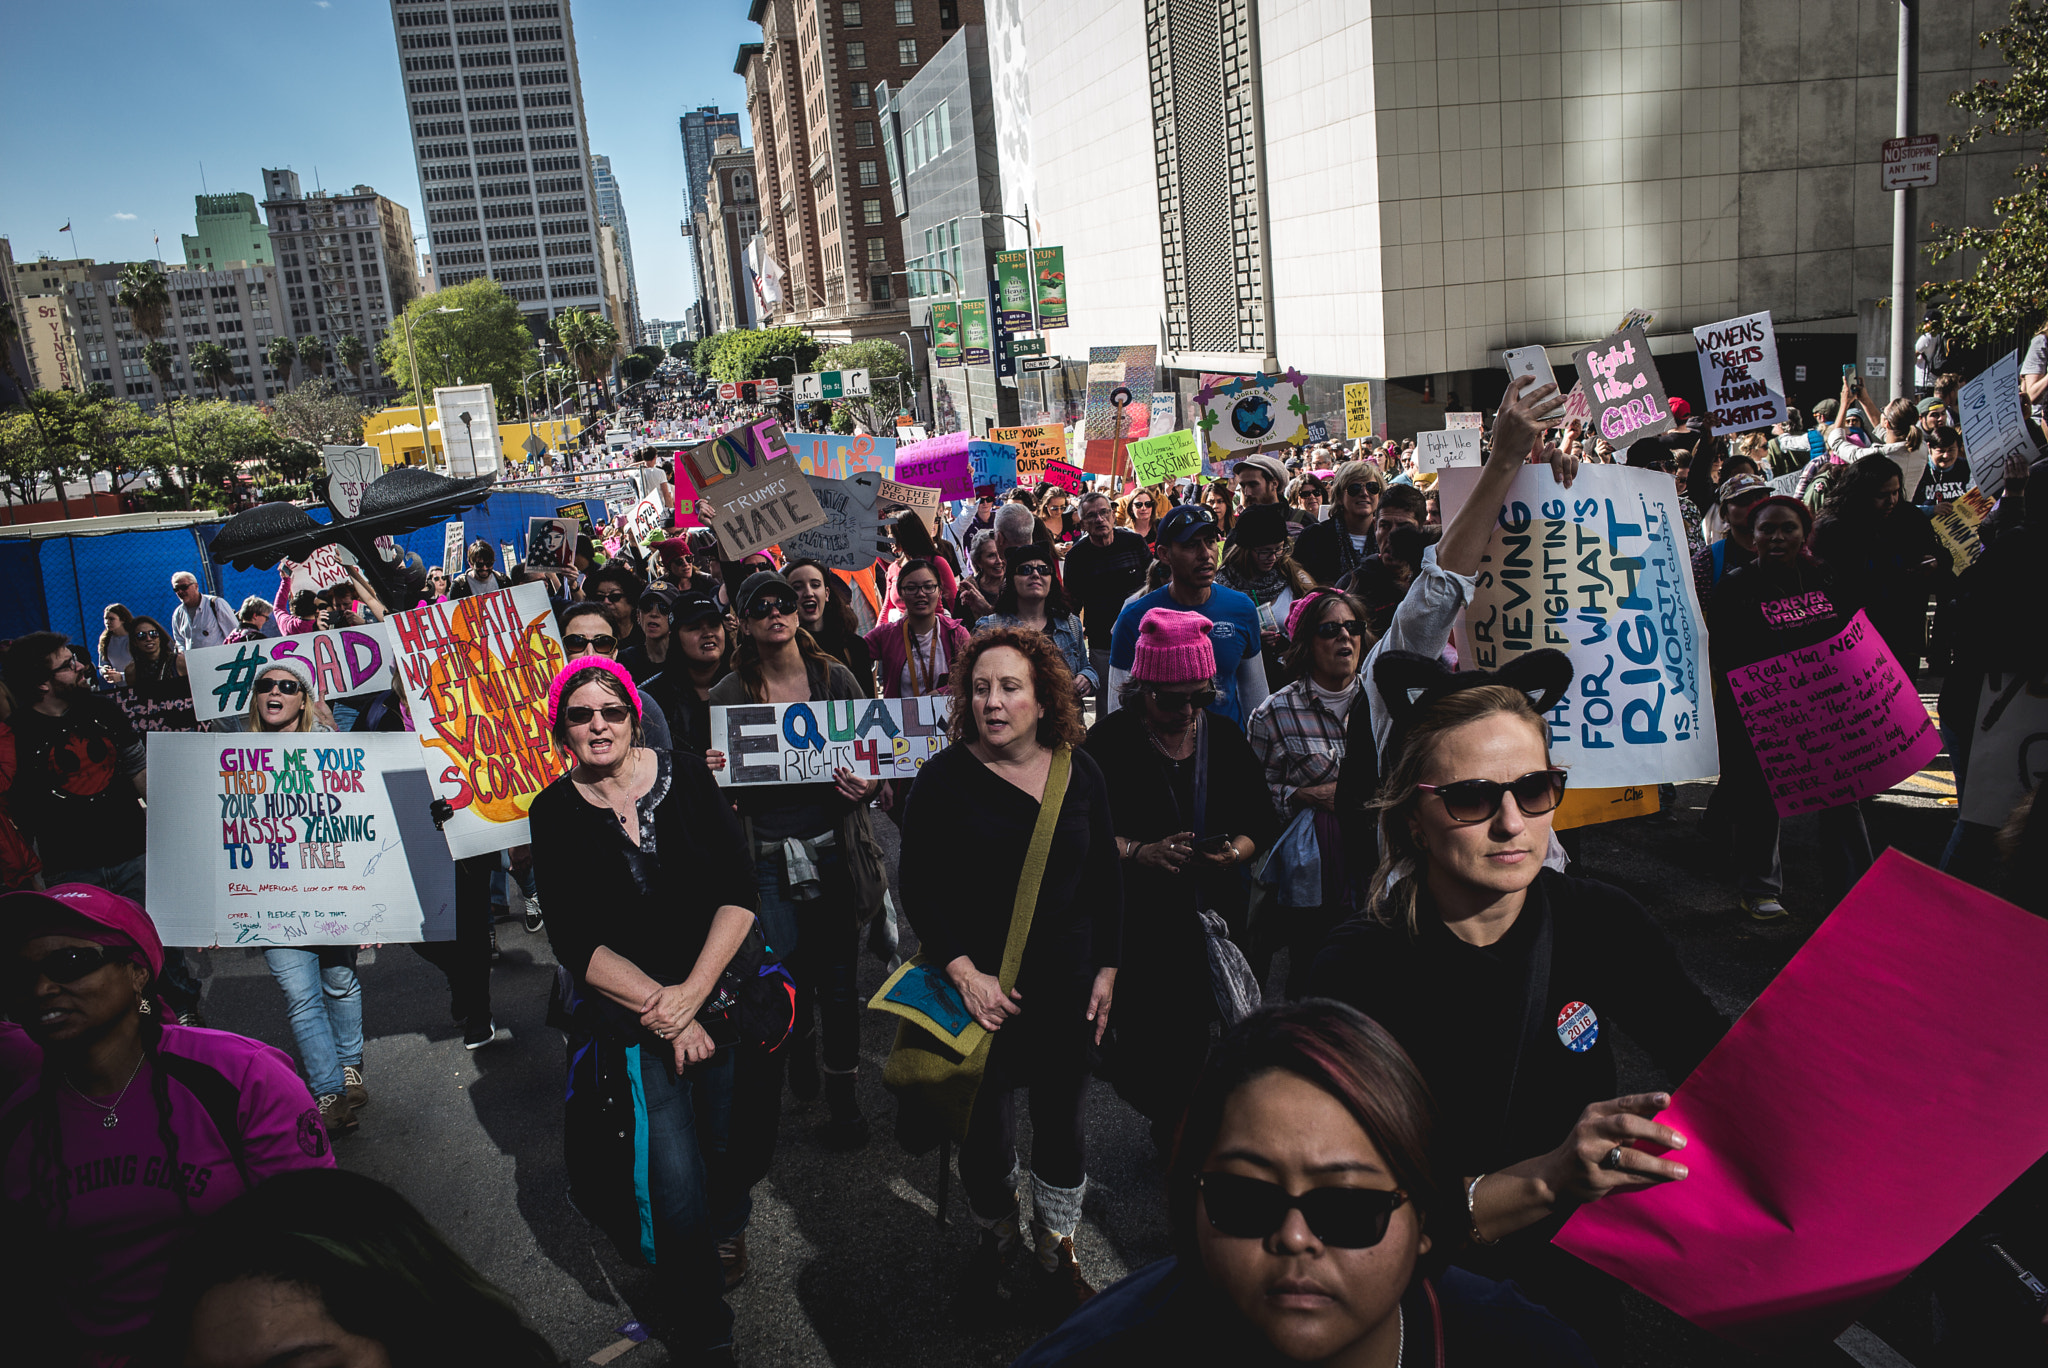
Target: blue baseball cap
1185	522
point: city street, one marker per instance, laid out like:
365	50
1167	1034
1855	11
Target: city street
849	1267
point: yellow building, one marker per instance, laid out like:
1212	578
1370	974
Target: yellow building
396	433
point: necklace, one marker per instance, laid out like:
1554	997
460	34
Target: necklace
1401	1345
110	1120
1194	730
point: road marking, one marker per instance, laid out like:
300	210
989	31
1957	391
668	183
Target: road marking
1870	1351
618	1347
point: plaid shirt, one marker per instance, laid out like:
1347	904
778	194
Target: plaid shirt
1298	740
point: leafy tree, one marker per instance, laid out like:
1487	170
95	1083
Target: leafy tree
313	353
24	457
282	356
682	351
888	377
708	349
636	368
350	353
487	342
36	447
318	412
654	355
758	353
210	362
219	437
2004	294
146	295
102	434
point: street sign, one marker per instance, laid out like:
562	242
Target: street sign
1911	163
1039	363
820	385
767	389
534	446
1027	346
728	391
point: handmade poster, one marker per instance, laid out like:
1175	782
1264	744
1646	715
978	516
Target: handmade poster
1590	807
1624	395
1739	372
1912	1014
1602	573
295	839
993	465
1461	421
648	521
755	485
350	469
943	463
891	496
853	533
1357	410
453	549
1989	416
1113	373
838	457
1165	412
2009	753
476	673
345	661
1060	475
804	743
579	510
1956	525
551	543
945	330
1035	446
1834	722
1169	456
323	569
1245	413
1575	405
1451	447
975	338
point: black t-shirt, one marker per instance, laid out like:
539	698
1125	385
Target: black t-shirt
1945	485
73	792
1097	580
1761	610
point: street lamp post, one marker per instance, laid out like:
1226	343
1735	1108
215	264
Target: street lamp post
419	392
931	369
1031	274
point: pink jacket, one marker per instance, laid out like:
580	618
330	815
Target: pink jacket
885	643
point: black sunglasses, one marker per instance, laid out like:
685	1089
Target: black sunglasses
287	687
604	643
1360	487
1348	627
1477	800
614	713
760	610
147	634
1253	1209
1175	699
1034	568
67	965
614	596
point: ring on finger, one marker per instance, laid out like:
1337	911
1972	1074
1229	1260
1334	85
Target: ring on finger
1612	1160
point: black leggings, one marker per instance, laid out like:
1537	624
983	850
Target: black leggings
1058	1147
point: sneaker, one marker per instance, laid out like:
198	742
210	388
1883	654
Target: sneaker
732	1257
337	1115
1765	909
533	920
482	1033
358	1096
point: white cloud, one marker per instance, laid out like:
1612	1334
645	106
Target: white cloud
321	4
125	218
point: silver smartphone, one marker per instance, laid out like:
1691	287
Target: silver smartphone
1534	363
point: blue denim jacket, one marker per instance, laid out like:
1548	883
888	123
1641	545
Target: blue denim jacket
1067	634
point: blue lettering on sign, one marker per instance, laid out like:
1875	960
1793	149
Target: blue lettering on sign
800	728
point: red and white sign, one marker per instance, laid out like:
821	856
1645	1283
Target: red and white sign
1911	163
728	391
767	389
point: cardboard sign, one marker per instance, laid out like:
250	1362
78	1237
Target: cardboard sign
2009	754
453	549
1165	411
755	485
1994	426
350	471
1590	807
838	457
1060	475
1834	722
1913	1013
648	521
851	536
1458	422
1357	410
943	463
1246	413
1739	373
1623	393
1602	573
324	569
1956	525
1169	456
551	543
993	465
891	498
804	743
1035	446
1447	449
345	661
297	839
476	672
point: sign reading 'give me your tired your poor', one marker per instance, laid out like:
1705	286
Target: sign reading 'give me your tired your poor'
808	743
756	487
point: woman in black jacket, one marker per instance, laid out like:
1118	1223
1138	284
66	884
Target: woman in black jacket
1869	536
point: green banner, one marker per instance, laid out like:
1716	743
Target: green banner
1052	287
974	332
1013	289
945	334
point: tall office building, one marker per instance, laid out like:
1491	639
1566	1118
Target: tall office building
611	210
230	233
701	127
504	160
345	265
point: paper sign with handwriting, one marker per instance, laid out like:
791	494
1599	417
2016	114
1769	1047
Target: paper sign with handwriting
1624	394
942	463
1169	456
1060	475
1739	372
756	487
1358	410
1035	446
1451	447
994	465
344	661
805	743
1993	424
850	538
1834	722
295	839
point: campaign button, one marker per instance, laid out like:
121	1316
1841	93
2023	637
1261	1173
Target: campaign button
1577	1027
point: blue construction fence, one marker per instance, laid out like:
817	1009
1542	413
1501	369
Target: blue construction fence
64	583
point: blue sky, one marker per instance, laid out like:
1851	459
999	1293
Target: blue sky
243	84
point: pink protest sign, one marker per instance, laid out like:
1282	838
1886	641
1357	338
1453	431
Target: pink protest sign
1834	722
686	498
1883	1089
942	463
1060	475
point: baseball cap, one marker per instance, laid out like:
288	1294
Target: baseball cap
1735	486
694	606
1185	522
757	584
1932	405
1270	466
120	922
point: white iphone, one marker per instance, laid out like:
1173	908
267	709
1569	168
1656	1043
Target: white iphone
1534	363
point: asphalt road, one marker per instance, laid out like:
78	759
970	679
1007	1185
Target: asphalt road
850	1267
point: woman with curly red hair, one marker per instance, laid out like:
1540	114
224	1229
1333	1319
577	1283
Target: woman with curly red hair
1016	734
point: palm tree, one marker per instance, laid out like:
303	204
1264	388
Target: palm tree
146	295
211	363
282	356
158	357
590	341
350	353
312	353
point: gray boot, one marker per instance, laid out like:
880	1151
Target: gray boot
1055	1214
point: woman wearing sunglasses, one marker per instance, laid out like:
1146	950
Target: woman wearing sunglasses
184	1119
1502	979
1190	815
1032	599
156	673
1313	1216
649	895
914	653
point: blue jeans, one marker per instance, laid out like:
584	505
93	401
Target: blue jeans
324	1002
689	1127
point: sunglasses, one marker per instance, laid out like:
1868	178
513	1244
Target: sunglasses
1173	700
1358	487
68	965
69	663
760	610
1330	631
1035	569
1253	1209
615	596
604	643
614	713
148	634
1477	800
287	687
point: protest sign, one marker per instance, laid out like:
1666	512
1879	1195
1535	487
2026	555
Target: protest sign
551	543
476	672
296	839
839	457
1060	475
943	463
2009	752
1358	410
1243	413
579	510
1623	392
852	534
323	569
453	549
1575	405
1590	807
993	465
891	498
1451	447
1113	371
1602	573
1460	421
1165	412
1993	425
804	743
1833	722
468	415
1739	373
344	661
647	521
1912	1014
1035	446
350	469
1956	525
511	557
755	486
1169	456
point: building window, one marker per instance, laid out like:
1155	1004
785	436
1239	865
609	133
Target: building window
878	249
871	211
903	14
864	135
878	288
856	55
861	98
944	123
867	174
849	14
906	51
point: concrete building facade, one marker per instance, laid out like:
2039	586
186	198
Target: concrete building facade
699	128
611	210
345	264
727	222
230	233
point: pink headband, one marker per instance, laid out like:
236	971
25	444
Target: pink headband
1301	605
578	666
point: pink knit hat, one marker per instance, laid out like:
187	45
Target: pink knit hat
594	662
1173	648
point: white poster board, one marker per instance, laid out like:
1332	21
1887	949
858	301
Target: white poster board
1989	416
345	661
1447	449
1739	373
805	743
350	469
2009	754
472	447
453	550
295	839
325	568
